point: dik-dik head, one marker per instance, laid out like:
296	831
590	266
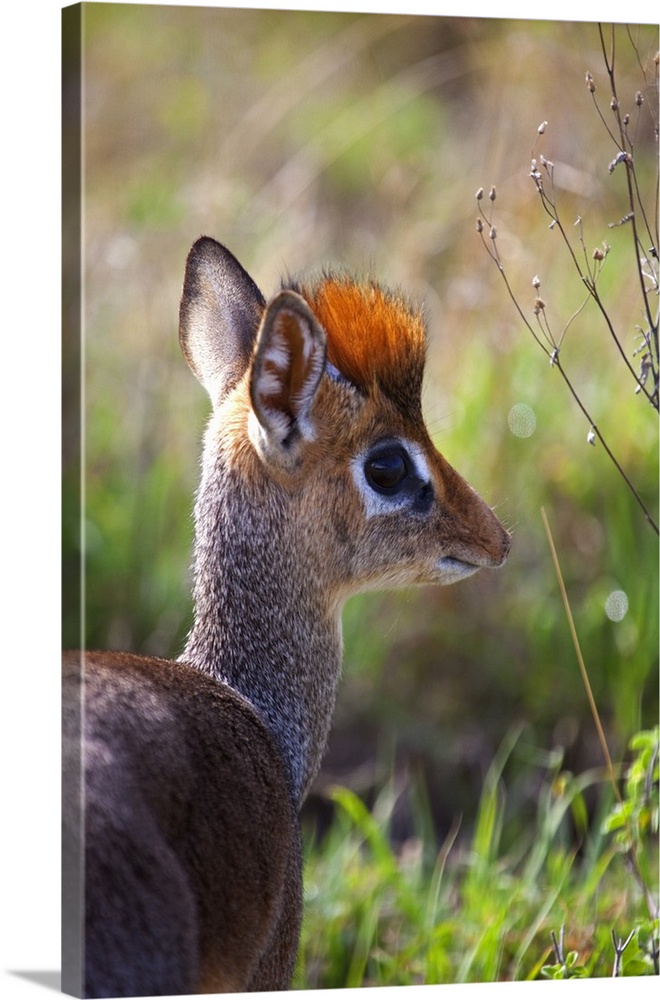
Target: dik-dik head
318	424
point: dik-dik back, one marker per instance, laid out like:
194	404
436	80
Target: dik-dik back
319	479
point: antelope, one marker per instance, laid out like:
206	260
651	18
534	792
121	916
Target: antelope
184	779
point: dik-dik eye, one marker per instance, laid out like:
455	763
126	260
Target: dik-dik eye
386	471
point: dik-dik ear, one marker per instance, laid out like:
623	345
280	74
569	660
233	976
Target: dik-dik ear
286	371
218	318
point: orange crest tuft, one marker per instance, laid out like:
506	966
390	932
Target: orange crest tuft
375	339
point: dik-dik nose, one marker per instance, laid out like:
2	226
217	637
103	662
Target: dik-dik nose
473	535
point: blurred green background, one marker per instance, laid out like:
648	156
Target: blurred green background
305	139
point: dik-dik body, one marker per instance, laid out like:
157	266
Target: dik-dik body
319	479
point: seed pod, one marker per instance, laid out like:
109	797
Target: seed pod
622	157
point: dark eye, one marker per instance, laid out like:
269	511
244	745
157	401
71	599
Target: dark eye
386	471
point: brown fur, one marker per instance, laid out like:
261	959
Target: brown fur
193	772
191	842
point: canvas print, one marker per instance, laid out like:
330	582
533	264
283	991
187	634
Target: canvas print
360	500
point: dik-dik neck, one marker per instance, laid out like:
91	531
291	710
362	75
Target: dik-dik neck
262	623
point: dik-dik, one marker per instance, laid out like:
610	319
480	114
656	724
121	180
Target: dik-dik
319	480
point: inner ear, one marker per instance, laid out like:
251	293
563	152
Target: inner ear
288	364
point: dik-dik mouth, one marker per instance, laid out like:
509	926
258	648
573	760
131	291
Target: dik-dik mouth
452	570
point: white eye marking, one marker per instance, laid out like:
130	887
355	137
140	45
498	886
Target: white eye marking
419	461
376	503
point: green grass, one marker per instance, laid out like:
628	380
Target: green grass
482	907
